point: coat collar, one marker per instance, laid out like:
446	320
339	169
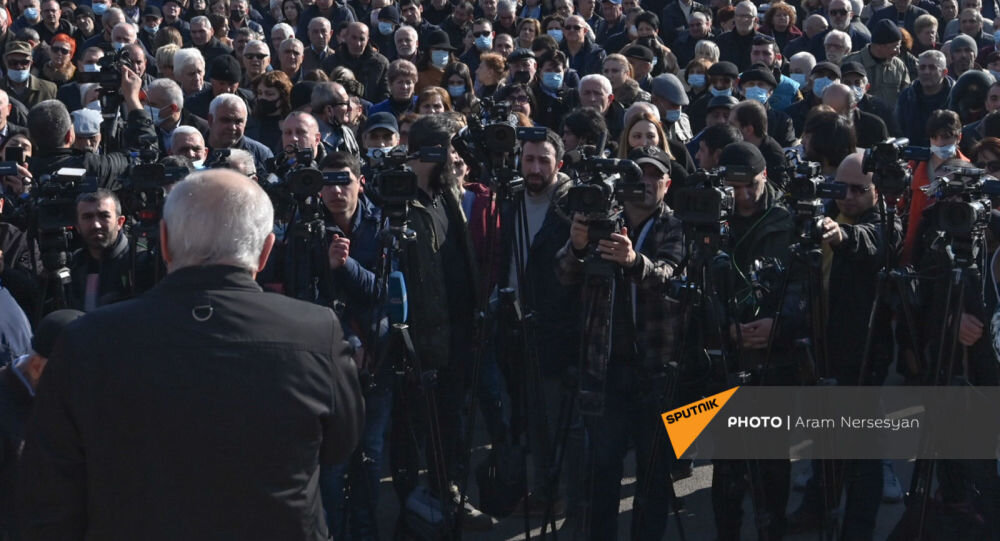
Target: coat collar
205	277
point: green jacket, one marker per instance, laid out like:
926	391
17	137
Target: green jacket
888	78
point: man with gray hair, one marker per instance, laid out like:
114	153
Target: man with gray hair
841	16
165	100
836	46
595	91
928	93
279	33
735	45
319	49
102	40
189	70
98	419
332	108
227	119
203	38
256	60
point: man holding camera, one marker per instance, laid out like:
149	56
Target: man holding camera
760	229
636	367
52	137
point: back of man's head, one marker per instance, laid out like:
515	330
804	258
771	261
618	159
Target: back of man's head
430	131
49	124
220	201
719	136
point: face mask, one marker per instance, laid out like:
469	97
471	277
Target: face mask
995	74
91	68
266	107
117	45
552	80
440	58
151	29
556	35
18	76
155	114
384	28
655	60
819	85
456	91
673	115
31	13
99	9
996	35
198	164
859	92
799	78
756	93
633	30
235	15
716	92
944	152
696	80
94	105
484	43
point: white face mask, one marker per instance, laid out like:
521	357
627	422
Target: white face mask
94	105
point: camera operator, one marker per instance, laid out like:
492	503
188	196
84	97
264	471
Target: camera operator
381	132
101	271
52	137
441	276
643	332
346	274
853	238
828	138
759	228
583	126
712	141
750	117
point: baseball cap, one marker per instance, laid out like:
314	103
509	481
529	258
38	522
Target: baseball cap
225	68
827	66
382	120
520	54
853	67
743	161
723	102
86	122
49	329
651	155
151	11
18	47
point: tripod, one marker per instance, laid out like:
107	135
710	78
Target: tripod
305	235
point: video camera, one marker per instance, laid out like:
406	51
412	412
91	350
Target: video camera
394	185
144	187
52	214
110	76
806	191
489	143
964	200
601	185
888	163
707	202
298	172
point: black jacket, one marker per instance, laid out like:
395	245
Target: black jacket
216	399
588	59
107	168
200	102
736	48
213	49
370	69
552	109
114	274
15	406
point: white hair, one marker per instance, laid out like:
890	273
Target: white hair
184	130
320	20
843	37
806	57
601	80
406	28
938	57
291	42
217	217
506	6
170	89
285	28
640	107
707	49
750	5
242	162
185	57
257	43
111	13
229	100
201	19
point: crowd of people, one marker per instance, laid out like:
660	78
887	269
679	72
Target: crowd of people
560	330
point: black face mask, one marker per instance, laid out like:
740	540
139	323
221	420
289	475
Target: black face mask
266	107
521	77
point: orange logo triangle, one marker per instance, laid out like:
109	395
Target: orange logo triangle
685	423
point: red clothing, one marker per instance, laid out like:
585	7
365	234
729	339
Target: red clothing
483	207
918	202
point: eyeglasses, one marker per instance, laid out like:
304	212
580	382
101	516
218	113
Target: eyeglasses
859	190
520	98
482	34
573	27
60	50
255	56
992	165
838	12
744	16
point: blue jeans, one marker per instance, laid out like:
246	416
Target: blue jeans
350	490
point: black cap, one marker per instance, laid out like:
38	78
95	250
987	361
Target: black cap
886	31
827	66
382	120
44	340
389	13
743	161
302	93
520	54
758	73
724	102
653	156
638	52
853	67
84	10
437	39
225	68
151	11
726	69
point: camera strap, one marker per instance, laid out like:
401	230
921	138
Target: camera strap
638	244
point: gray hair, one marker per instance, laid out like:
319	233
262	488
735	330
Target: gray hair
110	14
257	43
229	100
978	15
185	57
291	42
601	80
320	20
843	37
803	56
707	49
242	161
324	94
201	19
285	28
48	124
170	89
938	57
699	15
233	208
184	130
640	107
506	6
749	5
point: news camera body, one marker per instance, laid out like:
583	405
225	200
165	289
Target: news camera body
51	213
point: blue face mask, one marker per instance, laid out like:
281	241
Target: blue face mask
673	115
18	76
756	93
556	35
117	45
154	113
820	84
484	43
91	68
944	152
696	80
385	28
716	92
456	91
31	13
99	9
996	35
440	58
552	80
151	29
799	78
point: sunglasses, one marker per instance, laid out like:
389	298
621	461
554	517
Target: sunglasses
18	63
838	12
573	27
481	34
60	50
255	56
993	165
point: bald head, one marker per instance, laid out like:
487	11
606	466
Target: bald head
861	194
300	130
226	203
814	24
840	97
